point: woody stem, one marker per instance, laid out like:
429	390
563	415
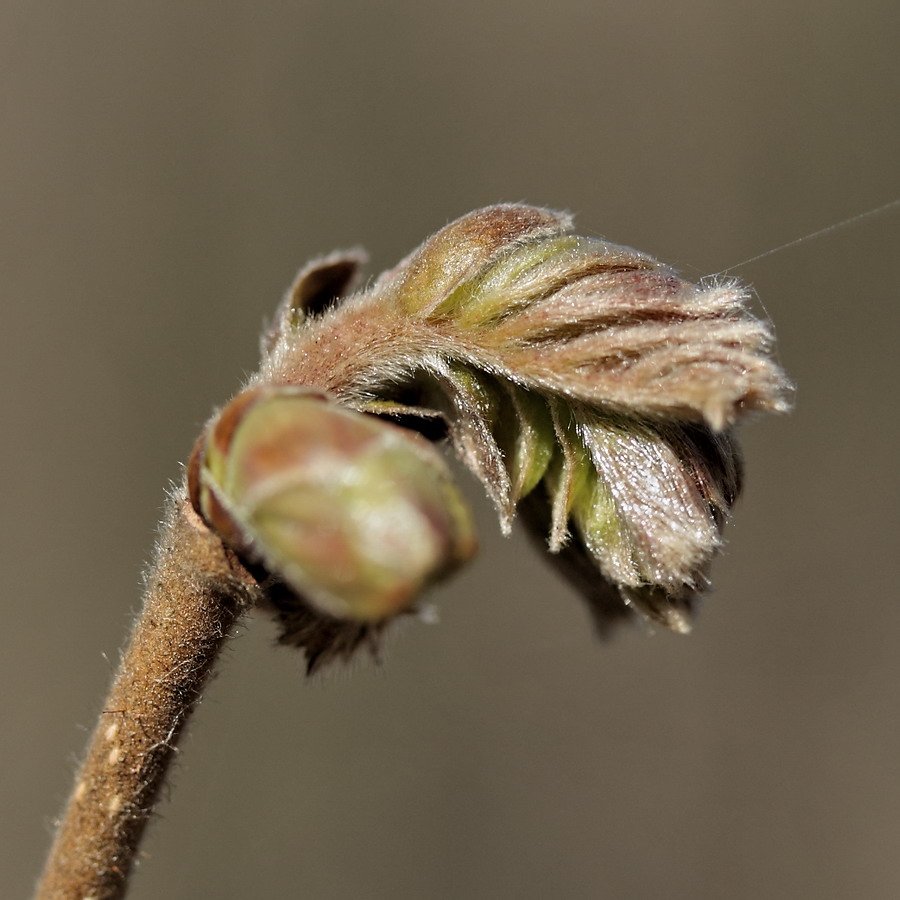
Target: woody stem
194	594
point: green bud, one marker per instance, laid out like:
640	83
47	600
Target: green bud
356	515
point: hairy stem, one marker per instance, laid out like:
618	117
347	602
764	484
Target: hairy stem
195	591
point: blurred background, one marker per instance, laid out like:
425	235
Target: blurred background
164	170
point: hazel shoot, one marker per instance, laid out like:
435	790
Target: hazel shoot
585	385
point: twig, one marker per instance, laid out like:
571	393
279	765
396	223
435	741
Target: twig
195	591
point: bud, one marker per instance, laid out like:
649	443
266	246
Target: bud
356	515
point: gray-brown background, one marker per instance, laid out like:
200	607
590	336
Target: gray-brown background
164	169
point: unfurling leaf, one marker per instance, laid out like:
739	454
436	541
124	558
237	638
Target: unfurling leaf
598	372
581	380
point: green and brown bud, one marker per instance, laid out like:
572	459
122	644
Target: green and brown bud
356	515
